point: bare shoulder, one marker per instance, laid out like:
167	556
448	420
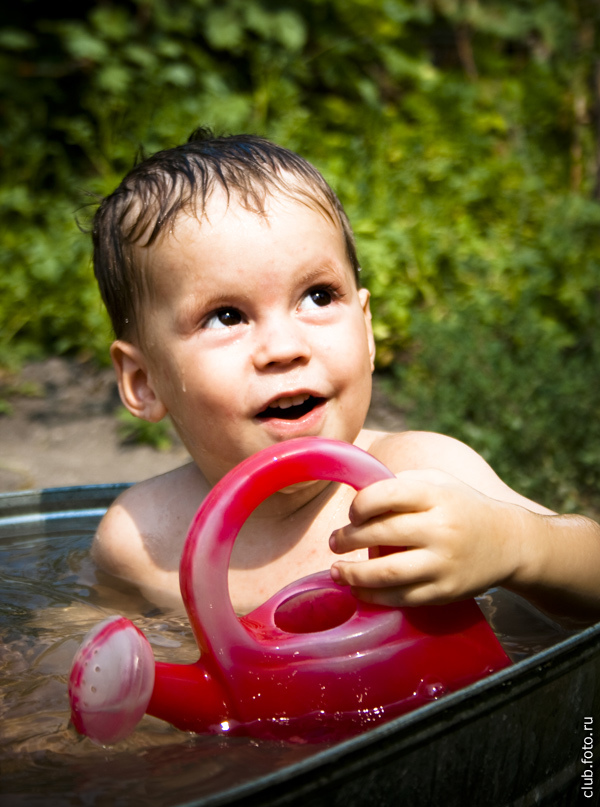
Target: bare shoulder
419	450
141	536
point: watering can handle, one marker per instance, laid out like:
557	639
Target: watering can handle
208	547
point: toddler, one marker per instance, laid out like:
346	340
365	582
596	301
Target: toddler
229	270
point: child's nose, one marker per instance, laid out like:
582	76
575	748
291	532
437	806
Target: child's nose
281	340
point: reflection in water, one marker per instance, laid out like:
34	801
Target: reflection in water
50	596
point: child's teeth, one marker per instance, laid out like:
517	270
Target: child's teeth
285	403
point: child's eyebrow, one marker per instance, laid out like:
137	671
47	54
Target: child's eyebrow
212	300
321	272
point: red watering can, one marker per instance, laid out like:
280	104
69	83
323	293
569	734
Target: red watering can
312	663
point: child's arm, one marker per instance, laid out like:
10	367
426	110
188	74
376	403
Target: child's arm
465	531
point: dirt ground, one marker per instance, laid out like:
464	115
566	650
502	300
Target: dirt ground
60	429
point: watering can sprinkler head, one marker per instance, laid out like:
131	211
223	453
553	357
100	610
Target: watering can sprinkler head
312	662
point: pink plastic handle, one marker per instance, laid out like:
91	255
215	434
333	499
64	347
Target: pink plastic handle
208	548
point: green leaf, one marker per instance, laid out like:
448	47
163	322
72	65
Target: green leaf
223	28
16	39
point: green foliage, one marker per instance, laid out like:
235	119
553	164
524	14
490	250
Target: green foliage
132	430
502	385
461	136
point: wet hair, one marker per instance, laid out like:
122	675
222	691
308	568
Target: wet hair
248	168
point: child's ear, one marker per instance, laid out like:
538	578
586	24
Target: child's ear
135	385
364	296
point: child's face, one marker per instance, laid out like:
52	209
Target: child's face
256	332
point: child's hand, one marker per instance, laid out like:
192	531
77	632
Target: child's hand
458	542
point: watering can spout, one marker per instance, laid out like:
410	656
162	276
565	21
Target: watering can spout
115	681
190	697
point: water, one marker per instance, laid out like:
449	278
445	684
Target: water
50	596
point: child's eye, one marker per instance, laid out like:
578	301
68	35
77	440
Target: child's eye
318	298
223	318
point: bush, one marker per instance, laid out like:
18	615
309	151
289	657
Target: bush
507	388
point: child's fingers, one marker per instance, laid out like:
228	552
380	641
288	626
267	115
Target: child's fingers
405	579
410	491
406	530
402	569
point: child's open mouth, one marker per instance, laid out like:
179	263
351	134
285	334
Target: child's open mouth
290	408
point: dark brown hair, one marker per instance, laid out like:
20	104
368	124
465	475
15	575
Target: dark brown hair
152	194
